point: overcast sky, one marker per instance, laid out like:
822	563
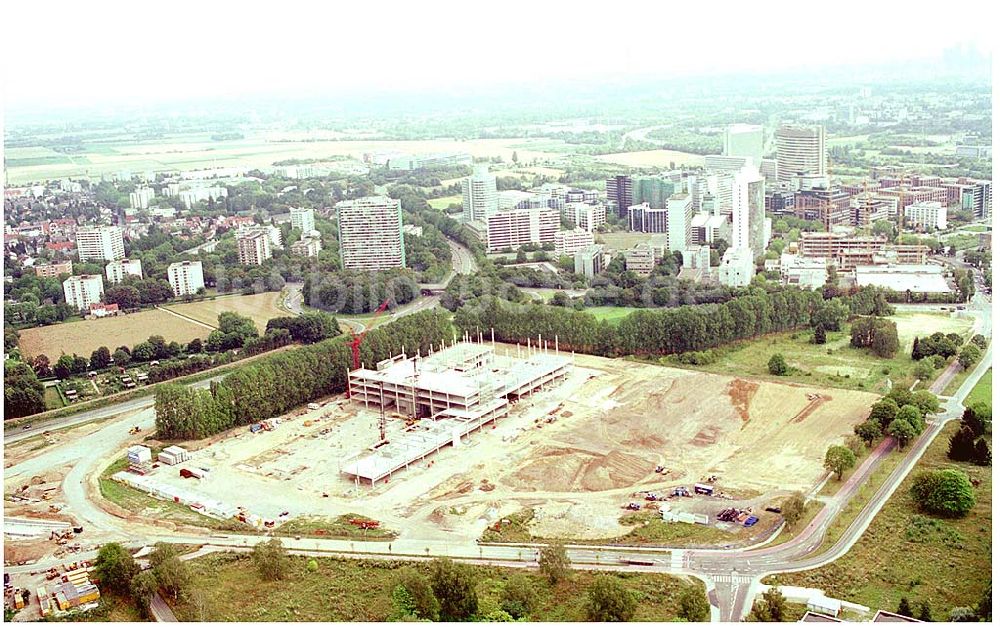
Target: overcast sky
70	54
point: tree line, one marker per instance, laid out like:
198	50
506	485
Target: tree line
277	383
649	331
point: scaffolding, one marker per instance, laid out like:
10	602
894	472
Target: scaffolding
452	392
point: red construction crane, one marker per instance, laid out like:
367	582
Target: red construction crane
359	337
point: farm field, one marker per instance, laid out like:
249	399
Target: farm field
354	590
653	158
197	151
983	391
836	363
85	336
259	307
947	560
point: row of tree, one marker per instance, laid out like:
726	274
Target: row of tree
277	383
654	331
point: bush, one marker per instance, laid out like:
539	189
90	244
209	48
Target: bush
777	366
554	563
270	559
455	589
519	597
793	507
608	600
694	606
946	492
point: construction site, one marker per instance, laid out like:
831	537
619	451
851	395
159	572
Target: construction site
446	444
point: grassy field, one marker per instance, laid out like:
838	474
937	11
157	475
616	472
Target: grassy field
444	201
52	398
259	307
339	527
85	336
611	314
359	590
947	561
836	363
983	391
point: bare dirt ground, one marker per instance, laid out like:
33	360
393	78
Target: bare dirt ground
615	422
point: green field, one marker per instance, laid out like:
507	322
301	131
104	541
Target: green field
983	391
611	314
945	562
53	400
836	363
229	589
443	202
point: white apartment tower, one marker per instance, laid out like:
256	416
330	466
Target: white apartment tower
303	219
749	230
801	149
100	243
253	248
479	194
744	140
185	277
371	233
116	271
517	227
83	291
139	199
679	213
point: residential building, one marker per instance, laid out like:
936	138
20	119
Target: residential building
706	228
640	259
737	267
270	232
679	213
371	233
253	248
590	261
191	197
744	140
927	215
185	277
101	310
54	269
646	219
569	242
800	149
586	216
303	219
116	271
697	257
749	222
619	192
100	243
516	227
479	194
83	290
139	199
307	247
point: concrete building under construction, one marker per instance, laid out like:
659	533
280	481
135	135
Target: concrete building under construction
451	392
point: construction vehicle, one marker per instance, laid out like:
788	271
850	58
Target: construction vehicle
633	507
359	337
681	491
134	430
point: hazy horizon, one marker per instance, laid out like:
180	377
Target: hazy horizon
125	57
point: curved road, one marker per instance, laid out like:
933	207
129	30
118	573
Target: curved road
731	575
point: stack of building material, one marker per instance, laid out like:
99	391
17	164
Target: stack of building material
74	591
140	459
173	455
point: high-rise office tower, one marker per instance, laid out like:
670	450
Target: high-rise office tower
371	233
479	194
801	149
749	228
619	189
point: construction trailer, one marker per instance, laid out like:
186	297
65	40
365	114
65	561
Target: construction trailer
451	393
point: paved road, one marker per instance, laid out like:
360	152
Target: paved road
293	298
161	611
